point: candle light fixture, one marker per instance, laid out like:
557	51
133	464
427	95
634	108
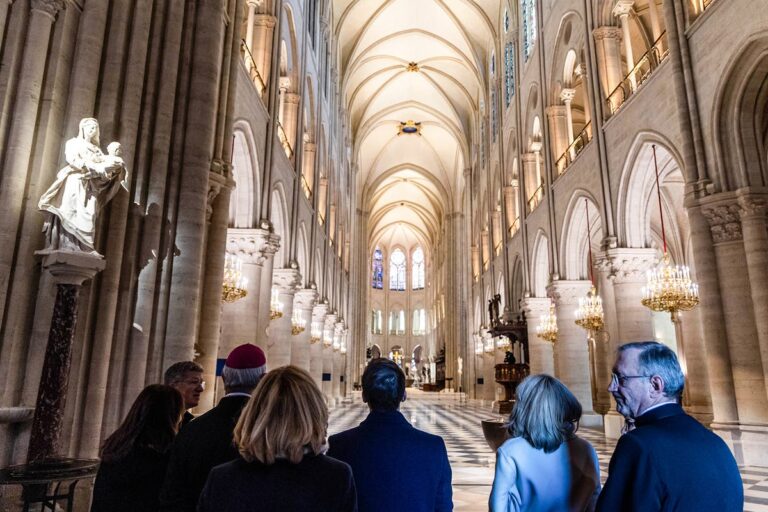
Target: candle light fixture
589	314
547	328
275	306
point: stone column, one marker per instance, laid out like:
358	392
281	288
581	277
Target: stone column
486	247
270	244
264	27
755	233
285	280
300	347
572	357
308	166
289	115
653	11
541	352
497	234
22	135
511	205
528	161
557	127
608	41
327	387
622	10
252	4
69	270
241	318
316	348
337	361
567	96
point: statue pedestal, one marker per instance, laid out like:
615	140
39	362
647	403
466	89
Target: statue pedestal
69	270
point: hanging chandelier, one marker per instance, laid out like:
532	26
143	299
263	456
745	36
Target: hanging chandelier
547	328
503	343
478	345
589	314
337	342
235	285
327	338
275	306
668	288
298	324
316	333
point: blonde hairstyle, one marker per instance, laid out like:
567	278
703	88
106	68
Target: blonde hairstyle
285	417
545	414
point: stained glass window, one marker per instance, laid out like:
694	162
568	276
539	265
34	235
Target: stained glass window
509	73
529	26
418	269
397	270
378	269
494	114
506	21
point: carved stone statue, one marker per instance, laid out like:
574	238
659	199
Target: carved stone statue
82	188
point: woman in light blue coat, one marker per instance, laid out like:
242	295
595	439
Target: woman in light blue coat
545	467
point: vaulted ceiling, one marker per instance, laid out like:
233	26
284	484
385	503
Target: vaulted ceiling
409	182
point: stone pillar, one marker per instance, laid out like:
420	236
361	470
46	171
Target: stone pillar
755	233
270	244
241	318
497	234
300	347
608	41
69	270
653	11
285	280
316	348
22	135
558	130
308	167
622	10
264	27
338	333
486	247
252	4
541	352
289	115
572	353
510	205
327	387
567	96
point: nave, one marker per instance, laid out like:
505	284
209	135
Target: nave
457	420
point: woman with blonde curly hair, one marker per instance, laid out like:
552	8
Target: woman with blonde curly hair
545	467
281	436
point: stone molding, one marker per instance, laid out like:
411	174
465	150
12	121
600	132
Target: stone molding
71	267
534	307
567	95
319	312
601	33
623	7
724	222
48	7
305	299
627	265
568	292
247	244
752	207
330	320
264	20
554	111
286	280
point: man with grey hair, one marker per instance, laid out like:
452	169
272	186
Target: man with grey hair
207	441
669	461
187	378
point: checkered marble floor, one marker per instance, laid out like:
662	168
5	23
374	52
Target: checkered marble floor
457	421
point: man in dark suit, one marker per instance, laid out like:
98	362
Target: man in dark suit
207	441
669	461
187	378
396	467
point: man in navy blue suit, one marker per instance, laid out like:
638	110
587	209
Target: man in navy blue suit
396	467
669	461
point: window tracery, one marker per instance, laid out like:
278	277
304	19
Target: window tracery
378	270
509	73
397	270
528	9
418	272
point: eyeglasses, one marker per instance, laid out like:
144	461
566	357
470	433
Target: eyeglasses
195	382
621	380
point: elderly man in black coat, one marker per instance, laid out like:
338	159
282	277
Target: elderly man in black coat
669	461
207	441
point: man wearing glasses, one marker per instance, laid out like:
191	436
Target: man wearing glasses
187	378
669	461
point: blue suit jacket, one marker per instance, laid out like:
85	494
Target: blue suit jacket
396	467
671	462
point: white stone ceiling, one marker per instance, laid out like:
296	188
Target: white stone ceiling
409	182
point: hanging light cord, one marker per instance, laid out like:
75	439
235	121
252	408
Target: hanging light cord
658	194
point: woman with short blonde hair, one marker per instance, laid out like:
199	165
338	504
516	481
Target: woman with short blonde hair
281	437
545	466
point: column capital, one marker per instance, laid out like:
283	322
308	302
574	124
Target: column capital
71	267
554	111
623	7
265	20
247	244
305	299
568	292
286	280
319	312
567	95
254	3
626	264
528	158
330	320
48	7
753	207
535	306
724	221
601	33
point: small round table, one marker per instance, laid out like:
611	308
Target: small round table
36	480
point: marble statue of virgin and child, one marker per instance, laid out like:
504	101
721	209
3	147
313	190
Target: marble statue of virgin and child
81	190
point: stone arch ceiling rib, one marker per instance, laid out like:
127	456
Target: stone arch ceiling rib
410	182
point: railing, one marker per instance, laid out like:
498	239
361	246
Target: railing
284	140
535	199
305	187
253	71
578	144
639	74
515	227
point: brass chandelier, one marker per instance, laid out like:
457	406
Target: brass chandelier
316	333
547	328
668	288
298	324
275	306
235	285
589	314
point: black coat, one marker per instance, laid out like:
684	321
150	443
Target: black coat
396	466
202	444
316	484
131	484
670	462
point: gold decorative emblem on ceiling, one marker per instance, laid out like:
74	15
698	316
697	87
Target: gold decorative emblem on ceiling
413	67
409	127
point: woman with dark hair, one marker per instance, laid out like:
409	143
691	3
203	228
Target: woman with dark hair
545	467
135	456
